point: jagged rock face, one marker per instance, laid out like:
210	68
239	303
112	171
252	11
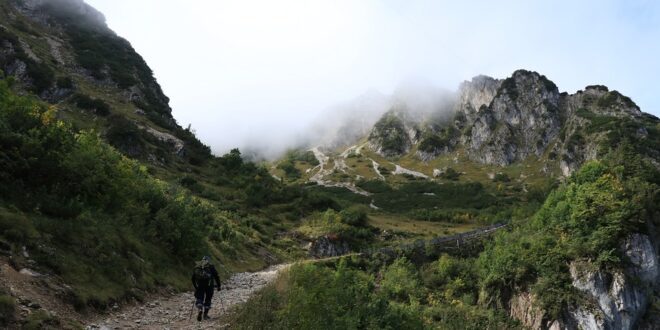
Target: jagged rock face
616	300
500	122
522	307
325	247
521	121
474	94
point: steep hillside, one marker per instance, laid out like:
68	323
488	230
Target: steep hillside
64	52
105	199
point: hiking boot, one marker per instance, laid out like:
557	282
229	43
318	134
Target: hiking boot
206	314
199	316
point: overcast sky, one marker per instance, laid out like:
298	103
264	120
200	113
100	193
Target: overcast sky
246	70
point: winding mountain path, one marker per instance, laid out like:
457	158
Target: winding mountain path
175	312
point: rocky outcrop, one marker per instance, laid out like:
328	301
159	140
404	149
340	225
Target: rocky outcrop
390	136
521	121
328	246
614	299
475	94
176	143
501	122
522	307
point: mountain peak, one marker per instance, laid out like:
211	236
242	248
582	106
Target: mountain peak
76	9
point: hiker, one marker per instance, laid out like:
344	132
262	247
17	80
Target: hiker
204	277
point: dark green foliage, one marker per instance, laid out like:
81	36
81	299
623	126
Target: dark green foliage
289	169
42	320
450	174
643	133
449	195
87	103
124	135
586	219
391	134
196	152
115	228
509	86
232	161
317	200
256	186
355	216
598	87
306	156
432	143
613	98
65	83
192	184
435	143
7	309
343	295
320	298
374	186
501	177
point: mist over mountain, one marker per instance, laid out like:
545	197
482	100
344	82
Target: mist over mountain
500	203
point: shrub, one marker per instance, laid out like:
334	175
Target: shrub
593	212
355	216
7	309
391	134
289	169
450	174
65	83
401	281
501	177
87	103
124	135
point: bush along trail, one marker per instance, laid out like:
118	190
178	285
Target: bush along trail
178	312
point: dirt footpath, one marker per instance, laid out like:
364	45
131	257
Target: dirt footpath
175	312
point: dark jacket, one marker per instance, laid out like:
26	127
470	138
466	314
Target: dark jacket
209	284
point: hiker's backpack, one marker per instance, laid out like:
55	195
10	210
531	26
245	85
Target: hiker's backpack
202	274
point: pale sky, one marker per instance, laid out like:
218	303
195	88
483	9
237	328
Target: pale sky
246	70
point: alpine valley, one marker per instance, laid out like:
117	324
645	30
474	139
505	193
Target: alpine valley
504	204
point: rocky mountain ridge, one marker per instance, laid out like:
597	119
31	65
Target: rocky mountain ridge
500	122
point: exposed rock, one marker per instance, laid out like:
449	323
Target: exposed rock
326	247
521	121
177	144
29	272
55	51
475	94
400	171
617	299
522	307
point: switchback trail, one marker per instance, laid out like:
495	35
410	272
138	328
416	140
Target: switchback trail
174	312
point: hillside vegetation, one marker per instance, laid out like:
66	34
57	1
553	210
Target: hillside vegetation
584	219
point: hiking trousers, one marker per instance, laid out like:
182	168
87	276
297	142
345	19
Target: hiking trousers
203	296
